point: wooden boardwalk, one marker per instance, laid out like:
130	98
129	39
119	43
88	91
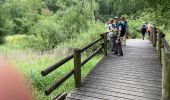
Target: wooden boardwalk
135	76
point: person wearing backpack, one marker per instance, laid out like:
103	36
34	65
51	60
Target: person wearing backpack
116	37
110	33
143	30
124	31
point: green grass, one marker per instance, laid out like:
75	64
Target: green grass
16	41
31	63
168	36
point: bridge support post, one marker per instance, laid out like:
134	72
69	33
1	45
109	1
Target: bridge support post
104	36
159	46
154	37
105	44
166	76
151	37
77	67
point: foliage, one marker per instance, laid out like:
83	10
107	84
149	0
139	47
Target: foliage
31	63
46	34
16	41
161	12
61	25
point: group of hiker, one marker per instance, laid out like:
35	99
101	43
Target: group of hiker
117	29
146	28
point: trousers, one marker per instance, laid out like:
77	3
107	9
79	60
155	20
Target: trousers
116	45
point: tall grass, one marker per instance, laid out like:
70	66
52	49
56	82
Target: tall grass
32	69
31	63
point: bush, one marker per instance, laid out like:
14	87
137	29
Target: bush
1	39
95	28
135	25
46	34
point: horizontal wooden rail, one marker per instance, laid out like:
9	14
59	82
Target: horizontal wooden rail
58	82
165	44
77	65
163	51
55	66
91	56
91	44
60	96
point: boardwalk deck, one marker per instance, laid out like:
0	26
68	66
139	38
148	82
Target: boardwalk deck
135	76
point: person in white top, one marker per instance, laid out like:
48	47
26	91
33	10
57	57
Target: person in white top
109	26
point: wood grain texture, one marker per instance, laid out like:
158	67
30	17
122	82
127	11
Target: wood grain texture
135	76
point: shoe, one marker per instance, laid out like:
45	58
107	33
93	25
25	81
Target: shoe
112	50
115	53
120	54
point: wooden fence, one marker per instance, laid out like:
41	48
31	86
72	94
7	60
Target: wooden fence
77	66
163	51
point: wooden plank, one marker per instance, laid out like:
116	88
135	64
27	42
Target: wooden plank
95	96
122	86
126	84
143	79
135	76
120	92
83	97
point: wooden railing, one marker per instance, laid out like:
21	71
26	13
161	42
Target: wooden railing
163	51
77	66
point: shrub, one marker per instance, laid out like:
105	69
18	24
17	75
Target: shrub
46	34
134	28
95	28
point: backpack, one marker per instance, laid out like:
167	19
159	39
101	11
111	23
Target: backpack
143	29
123	25
115	26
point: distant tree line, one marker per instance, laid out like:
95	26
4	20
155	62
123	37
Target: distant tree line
53	21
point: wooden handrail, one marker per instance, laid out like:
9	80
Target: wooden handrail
154	38
164	56
165	44
58	82
77	64
91	44
61	96
55	66
91	56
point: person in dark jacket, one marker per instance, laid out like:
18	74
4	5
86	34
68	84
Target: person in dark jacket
117	32
143	30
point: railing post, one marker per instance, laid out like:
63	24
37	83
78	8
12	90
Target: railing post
104	36
154	37
77	67
151	35
159	45
105	44
166	76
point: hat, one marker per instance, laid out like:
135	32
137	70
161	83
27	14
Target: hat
143	22
116	17
122	16
110	18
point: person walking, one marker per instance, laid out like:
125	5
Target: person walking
116	37
143	30
124	31
149	30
